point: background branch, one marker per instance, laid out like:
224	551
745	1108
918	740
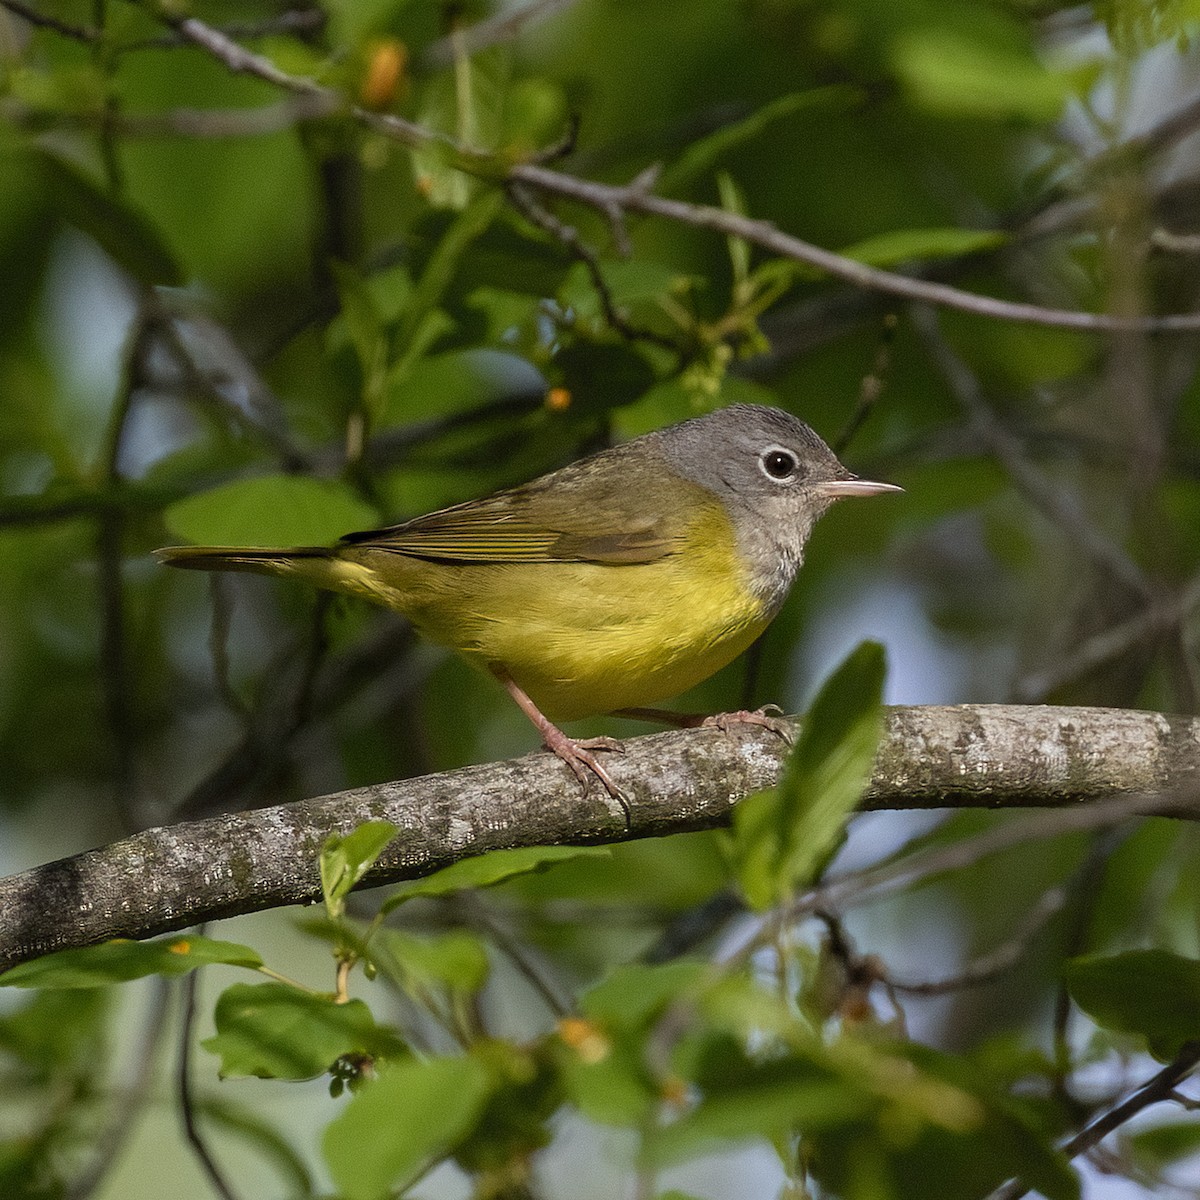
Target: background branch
968	756
616	200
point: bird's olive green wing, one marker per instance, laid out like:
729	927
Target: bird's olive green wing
569	519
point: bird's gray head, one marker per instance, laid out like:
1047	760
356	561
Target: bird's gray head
775	477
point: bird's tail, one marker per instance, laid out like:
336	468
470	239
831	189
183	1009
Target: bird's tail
272	560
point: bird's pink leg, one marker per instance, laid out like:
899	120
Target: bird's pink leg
575	752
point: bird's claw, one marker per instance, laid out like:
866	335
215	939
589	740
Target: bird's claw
762	717
577	754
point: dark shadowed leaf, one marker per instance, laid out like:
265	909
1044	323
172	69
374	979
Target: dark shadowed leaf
124	233
1152	993
118	961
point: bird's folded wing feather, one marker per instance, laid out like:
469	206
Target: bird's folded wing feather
527	527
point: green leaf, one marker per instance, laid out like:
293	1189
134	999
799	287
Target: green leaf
635	994
119	961
487	869
444	261
702	155
276	1031
467	103
124	234
361	315
536	112
402	1122
638	286
781	838
734	201
1161	1145
908	245
611	1084
57	1030
346	859
362	323
950	73
456	960
1152	993
270	510
675	399
767	1109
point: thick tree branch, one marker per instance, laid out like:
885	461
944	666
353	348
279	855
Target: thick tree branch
990	756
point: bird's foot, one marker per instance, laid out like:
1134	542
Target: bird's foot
770	716
577	754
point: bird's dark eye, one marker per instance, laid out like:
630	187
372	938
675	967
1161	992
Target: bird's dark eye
779	464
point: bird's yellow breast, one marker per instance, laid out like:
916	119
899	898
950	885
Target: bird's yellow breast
580	637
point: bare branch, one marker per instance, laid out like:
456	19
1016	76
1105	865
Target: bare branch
77	33
1160	1087
187	1105
568	235
1097	765
605	197
1112	643
1054	502
614	201
504	26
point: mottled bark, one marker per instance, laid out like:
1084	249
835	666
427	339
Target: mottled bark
990	756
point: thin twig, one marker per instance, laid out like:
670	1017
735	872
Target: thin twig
110	1141
187	1105
1111	644
540	216
630	198
916	868
478	914
1055	503
989	967
209	123
286	711
1158	1088
635	196
77	33
504	26
259	413
869	884
871	387
687	930
307	21
218	645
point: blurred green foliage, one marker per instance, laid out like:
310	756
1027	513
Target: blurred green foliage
231	311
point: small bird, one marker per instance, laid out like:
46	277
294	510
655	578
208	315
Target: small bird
620	580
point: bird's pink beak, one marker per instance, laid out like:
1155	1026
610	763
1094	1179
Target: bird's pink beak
836	488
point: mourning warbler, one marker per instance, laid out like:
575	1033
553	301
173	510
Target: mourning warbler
616	581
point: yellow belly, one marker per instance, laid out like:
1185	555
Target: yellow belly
580	638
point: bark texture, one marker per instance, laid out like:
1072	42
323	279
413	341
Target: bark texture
993	756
